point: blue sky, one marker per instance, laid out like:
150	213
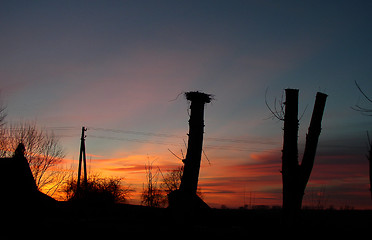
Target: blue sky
119	64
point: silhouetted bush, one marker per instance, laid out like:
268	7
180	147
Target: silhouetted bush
152	195
97	190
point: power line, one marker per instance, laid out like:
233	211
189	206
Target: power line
245	141
211	143
132	140
234	147
208	146
237	143
166	135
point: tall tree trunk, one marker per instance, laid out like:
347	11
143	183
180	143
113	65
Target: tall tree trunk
295	176
290	167
312	138
189	181
186	197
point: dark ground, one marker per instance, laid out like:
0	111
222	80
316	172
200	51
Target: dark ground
72	221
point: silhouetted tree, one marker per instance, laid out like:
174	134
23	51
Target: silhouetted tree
42	150
185	197
294	175
189	181
171	180
152	195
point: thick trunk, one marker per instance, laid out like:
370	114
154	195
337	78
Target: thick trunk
186	197
290	152
190	176
295	176
312	138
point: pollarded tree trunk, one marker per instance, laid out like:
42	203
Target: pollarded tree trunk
186	196
312	138
290	152
294	175
189	180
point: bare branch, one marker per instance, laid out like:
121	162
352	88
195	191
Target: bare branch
151	194
205	155
364	111
358	108
361	91
43	151
175	155
278	114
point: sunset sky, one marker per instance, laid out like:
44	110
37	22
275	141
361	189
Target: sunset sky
120	68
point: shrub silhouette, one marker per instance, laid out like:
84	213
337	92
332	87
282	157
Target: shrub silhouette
97	190
152	195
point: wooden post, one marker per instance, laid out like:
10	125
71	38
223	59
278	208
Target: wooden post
82	157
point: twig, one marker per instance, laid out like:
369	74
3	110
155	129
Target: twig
176	97
175	154
209	162
360	90
277	114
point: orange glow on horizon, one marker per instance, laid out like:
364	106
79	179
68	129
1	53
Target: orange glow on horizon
252	181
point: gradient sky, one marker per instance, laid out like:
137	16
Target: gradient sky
118	68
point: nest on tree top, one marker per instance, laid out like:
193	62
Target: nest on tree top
199	96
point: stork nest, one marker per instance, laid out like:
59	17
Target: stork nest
199	96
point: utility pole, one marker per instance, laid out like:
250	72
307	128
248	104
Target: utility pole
82	157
